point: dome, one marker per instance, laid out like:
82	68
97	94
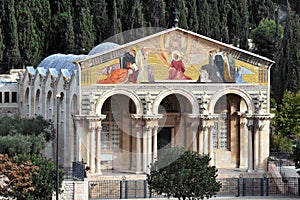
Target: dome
103	47
61	61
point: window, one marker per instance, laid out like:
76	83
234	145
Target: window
14	97
1	100
110	134
220	132
6	97
220	135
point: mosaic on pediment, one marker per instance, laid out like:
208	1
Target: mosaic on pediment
175	56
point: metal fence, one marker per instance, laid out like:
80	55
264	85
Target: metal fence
126	189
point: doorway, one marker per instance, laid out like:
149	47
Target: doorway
164	138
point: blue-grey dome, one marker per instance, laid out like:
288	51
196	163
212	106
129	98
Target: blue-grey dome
103	47
61	61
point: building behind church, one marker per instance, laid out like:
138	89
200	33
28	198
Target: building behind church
119	106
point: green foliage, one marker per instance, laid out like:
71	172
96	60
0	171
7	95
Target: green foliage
264	37
24	136
287	122
27	126
44	180
183	174
296	155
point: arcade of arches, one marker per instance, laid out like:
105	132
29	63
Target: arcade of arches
122	138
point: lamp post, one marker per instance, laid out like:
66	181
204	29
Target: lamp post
57	168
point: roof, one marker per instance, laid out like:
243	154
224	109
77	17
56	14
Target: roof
243	53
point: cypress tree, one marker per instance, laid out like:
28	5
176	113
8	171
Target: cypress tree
234	22
29	43
84	27
180	5
10	30
224	9
100	20
244	29
204	17
286	71
69	35
193	22
116	24
41	13
1	45
215	20
154	12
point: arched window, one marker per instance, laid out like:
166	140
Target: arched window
110	134
220	127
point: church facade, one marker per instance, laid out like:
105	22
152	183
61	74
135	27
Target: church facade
118	108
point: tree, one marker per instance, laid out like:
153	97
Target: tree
24	136
296	155
44	181
286	72
17	178
100	18
204	17
83	26
10	31
183	174
193	22
287	122
264	38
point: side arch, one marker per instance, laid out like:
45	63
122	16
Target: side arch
243	94
133	96
192	99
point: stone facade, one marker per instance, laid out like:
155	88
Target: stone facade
124	125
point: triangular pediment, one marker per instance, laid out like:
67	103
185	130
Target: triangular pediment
175	55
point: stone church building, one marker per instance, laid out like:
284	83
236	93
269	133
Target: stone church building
119	106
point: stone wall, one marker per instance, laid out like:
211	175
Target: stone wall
75	190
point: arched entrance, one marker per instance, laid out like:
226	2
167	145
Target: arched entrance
117	140
172	127
226	130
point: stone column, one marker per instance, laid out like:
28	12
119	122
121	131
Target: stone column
144	141
263	127
137	120
149	147
205	138
201	139
243	143
138	167
92	147
98	148
193	121
155	143
94	140
250	145
76	121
